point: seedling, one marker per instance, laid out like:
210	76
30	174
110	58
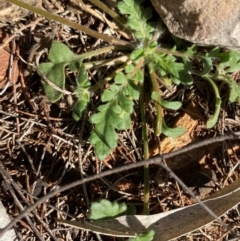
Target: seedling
169	64
126	83
106	210
145	60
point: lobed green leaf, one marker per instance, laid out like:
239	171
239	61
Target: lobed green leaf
234	94
113	115
105	209
171	105
137	19
78	109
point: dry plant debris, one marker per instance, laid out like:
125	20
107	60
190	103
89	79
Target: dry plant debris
12	13
5	58
41	147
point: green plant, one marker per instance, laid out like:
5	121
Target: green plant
102	214
104	210
118	100
146	60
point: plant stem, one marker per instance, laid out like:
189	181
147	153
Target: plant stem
171	52
179	53
145	150
72	24
213	120
102	82
158	122
110	12
107	62
100	51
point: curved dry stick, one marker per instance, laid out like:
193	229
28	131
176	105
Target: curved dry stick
155	160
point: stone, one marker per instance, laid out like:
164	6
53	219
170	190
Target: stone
203	22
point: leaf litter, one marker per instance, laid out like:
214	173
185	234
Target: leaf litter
40	148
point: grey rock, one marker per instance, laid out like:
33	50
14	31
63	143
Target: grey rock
4	220
204	22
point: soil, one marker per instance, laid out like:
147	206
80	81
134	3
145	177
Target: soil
42	147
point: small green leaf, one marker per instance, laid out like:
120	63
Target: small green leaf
139	76
234	88
108	95
144	237
82	93
120	78
179	73
104	138
155	96
59	52
105	209
136	54
172	132
129	69
187	63
229	61
55	74
166	64
191	50
82	77
172	105
234	94
127	104
78	109
133	90
214	52
60	56
213	120
234	62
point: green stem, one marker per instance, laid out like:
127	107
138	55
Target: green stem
97	52
179	54
158	122
145	150
72	24
102	82
112	75
107	62
100	51
175	53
